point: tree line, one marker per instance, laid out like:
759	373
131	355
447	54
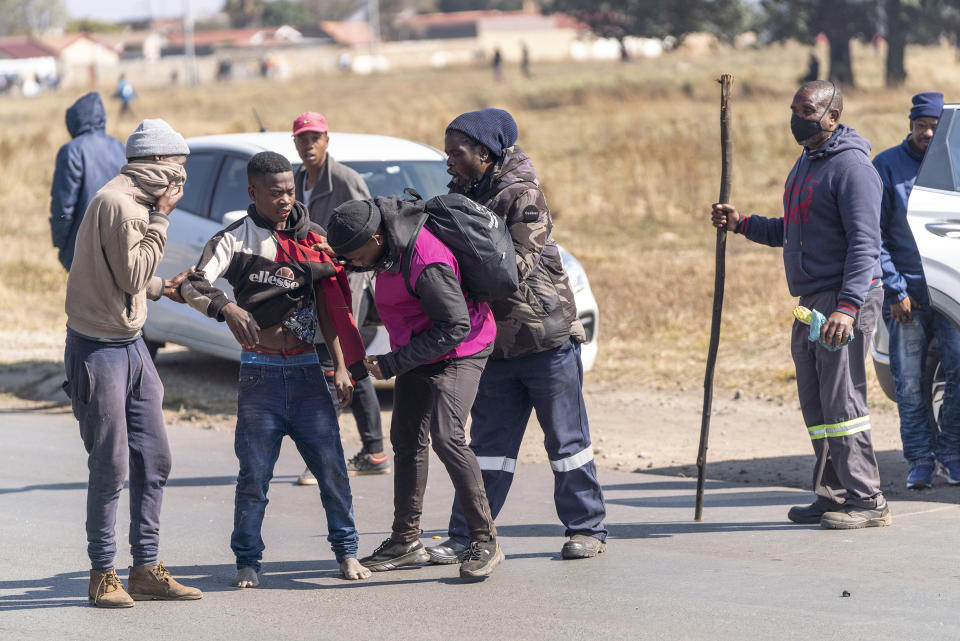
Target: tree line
899	22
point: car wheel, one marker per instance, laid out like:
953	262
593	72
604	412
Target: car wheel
152	347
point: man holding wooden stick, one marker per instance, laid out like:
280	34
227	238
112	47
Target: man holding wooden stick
830	234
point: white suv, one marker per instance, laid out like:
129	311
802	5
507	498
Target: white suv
934	216
216	195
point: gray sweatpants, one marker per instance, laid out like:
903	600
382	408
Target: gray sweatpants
833	398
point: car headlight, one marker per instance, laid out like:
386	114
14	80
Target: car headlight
575	271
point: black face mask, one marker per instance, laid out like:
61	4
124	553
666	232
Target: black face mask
384	264
803	129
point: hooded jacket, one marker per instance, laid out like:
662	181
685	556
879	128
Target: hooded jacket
271	272
899	256
830	230
120	245
84	165
542	313
438	322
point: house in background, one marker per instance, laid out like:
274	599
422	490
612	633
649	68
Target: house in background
546	37
82	57
27	66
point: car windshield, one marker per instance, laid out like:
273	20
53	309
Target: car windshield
383	178
428	177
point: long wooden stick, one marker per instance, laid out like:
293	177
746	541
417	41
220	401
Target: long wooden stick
726	180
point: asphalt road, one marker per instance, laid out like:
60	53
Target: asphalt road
744	573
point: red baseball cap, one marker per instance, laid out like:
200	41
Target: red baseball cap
310	121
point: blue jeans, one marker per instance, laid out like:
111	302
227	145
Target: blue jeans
280	397
922	442
551	383
117	398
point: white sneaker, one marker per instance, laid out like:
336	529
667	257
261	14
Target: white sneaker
307	478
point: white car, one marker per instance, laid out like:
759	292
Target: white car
216	195
933	213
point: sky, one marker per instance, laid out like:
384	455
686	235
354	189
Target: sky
120	10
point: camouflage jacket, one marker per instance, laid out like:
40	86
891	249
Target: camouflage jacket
541	314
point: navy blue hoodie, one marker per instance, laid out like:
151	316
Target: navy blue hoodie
830	229
84	165
899	256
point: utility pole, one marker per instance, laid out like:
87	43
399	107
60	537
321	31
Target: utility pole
373	19
189	51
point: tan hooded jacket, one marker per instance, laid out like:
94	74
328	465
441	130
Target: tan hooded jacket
119	246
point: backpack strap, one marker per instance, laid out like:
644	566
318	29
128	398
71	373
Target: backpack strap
406	255
405	268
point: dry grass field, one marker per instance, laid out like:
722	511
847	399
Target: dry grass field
628	156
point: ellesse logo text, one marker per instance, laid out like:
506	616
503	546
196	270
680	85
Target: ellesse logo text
282	278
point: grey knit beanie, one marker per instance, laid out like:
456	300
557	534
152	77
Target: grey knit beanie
154	137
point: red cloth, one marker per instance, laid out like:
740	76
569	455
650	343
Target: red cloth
336	293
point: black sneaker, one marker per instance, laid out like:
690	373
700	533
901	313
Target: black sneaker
811	514
448	552
853	517
581	546
365	463
480	559
391	555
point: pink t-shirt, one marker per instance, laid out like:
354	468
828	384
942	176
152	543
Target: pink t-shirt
402	314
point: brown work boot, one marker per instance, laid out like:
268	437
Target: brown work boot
153	582
106	591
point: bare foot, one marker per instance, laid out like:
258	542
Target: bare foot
246	578
352	570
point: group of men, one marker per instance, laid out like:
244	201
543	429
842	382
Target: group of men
850	256
303	358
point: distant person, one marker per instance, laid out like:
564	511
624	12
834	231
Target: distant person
287	295
498	65
439	344
525	60
535	364
911	321
114	388
84	165
224	70
323	184
813	69
830	234
125	93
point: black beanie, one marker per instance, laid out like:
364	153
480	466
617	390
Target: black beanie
495	129
352	224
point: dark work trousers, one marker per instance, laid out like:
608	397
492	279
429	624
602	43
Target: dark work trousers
433	402
117	396
832	387
365	405
550	382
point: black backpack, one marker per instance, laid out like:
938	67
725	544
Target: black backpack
478	238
